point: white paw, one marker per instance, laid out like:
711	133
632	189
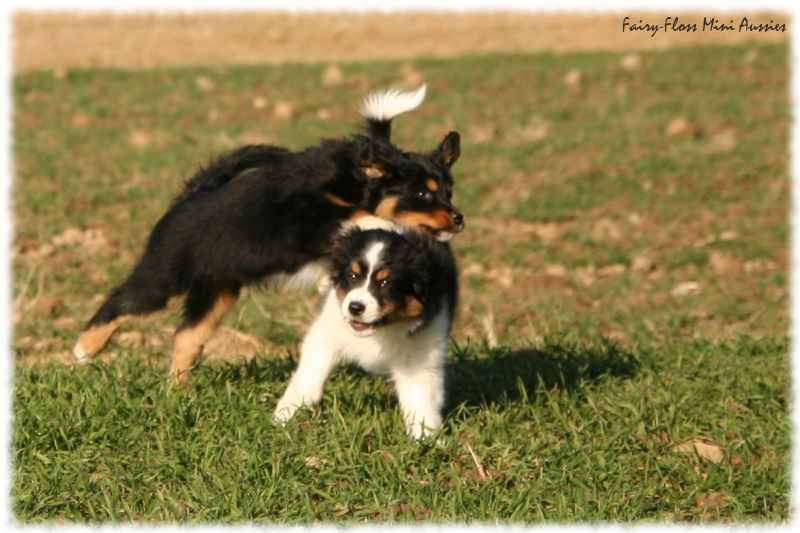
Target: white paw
80	356
423	433
284	412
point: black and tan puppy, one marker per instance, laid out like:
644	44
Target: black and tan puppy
267	216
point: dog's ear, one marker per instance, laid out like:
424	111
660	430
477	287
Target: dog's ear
375	170
449	151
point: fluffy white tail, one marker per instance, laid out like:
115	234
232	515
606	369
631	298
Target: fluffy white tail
383	106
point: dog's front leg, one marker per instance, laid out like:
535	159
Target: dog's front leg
317	361
420	391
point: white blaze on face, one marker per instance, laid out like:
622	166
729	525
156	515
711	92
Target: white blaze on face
372	311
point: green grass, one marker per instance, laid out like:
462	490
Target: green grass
578	379
564	433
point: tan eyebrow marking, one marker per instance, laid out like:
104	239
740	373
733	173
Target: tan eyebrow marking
382	274
355	267
432	184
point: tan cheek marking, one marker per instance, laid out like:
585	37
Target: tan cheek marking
382	274
413	308
355	267
389	309
439	219
386	208
432	185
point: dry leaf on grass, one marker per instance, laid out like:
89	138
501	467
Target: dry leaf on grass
411	76
47	305
707	450
558	271
681	128
712	500
315	463
632	62
131	339
332	76
573	77
139	139
724	141
643	264
722	264
92	239
685	288
205	84
229	344
283	110
605	228
616	269
585	275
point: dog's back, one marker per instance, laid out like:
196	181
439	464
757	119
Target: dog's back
266	215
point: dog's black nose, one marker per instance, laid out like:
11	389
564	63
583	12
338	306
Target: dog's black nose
458	218
356	308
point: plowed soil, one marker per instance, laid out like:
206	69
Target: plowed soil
46	40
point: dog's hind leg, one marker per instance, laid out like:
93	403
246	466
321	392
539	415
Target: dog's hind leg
205	307
128	300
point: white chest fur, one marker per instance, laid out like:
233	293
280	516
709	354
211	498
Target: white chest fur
415	363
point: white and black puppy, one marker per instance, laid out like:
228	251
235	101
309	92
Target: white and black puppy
388	308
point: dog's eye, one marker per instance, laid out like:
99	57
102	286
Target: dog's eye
384	283
425	194
352	275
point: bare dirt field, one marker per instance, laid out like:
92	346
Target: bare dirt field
45	40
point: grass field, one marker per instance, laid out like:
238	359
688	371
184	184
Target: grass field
621	348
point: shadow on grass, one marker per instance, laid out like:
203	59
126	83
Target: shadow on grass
476	377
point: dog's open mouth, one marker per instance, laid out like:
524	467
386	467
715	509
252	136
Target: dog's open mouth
443	235
366	328
361	326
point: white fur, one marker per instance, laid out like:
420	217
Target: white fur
387	104
445	236
372	311
415	363
373	222
81	357
315	273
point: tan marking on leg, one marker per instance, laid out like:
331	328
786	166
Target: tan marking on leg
175	301
94	339
432	185
386	208
189	340
338	201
